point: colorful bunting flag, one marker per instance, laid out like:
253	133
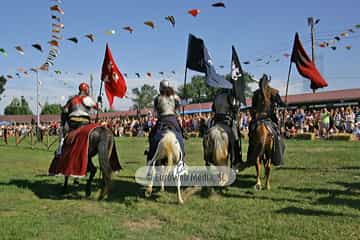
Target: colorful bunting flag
218	4
171	19
194	12
57	9
150	24
20	50
91	37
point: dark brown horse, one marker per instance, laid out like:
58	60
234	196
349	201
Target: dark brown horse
260	151
101	142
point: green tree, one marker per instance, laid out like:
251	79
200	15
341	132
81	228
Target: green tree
51	109
197	91
2	84
144	96
18	107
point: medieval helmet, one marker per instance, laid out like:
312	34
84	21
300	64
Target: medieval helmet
84	87
164	84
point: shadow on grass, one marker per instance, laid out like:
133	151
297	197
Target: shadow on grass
335	196
317	168
46	189
311	212
49	189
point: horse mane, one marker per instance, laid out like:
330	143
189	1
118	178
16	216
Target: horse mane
266	93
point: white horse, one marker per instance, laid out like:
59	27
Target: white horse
168	155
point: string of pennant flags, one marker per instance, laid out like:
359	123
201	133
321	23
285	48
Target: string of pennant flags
333	41
56	40
56	37
58	26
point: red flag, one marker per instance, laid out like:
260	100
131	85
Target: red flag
115	85
305	66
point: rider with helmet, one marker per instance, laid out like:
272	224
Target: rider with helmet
165	106
76	112
226	107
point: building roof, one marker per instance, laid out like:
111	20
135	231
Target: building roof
326	97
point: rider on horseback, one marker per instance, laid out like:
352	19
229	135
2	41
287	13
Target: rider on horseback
165	106
226	107
76	112
265	100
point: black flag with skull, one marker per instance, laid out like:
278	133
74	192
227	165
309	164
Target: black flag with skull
237	77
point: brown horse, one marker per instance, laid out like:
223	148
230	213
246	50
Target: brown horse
101	142
260	151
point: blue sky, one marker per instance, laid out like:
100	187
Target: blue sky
256	28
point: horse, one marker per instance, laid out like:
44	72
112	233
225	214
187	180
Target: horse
216	151
261	150
168	154
101	142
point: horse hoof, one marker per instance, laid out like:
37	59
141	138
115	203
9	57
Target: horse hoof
257	187
148	193
87	193
101	196
181	202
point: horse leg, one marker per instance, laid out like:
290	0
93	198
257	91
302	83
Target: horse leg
92	170
64	189
258	173
180	200
76	181
104	151
148	191
267	173
162	189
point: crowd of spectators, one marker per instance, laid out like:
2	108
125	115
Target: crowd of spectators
323	122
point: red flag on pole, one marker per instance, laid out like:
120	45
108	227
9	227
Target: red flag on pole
115	85
305	66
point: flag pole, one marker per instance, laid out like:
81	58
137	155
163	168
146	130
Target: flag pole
286	94
287	83
99	101
185	93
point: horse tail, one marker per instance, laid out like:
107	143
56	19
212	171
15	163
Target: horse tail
105	147
216	144
259	143
168	148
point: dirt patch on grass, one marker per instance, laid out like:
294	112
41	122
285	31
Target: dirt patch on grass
8	213
143	224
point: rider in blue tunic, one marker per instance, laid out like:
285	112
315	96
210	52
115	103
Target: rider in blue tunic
165	106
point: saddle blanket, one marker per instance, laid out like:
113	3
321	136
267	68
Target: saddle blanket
74	158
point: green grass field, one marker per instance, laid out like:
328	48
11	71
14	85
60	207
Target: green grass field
315	195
